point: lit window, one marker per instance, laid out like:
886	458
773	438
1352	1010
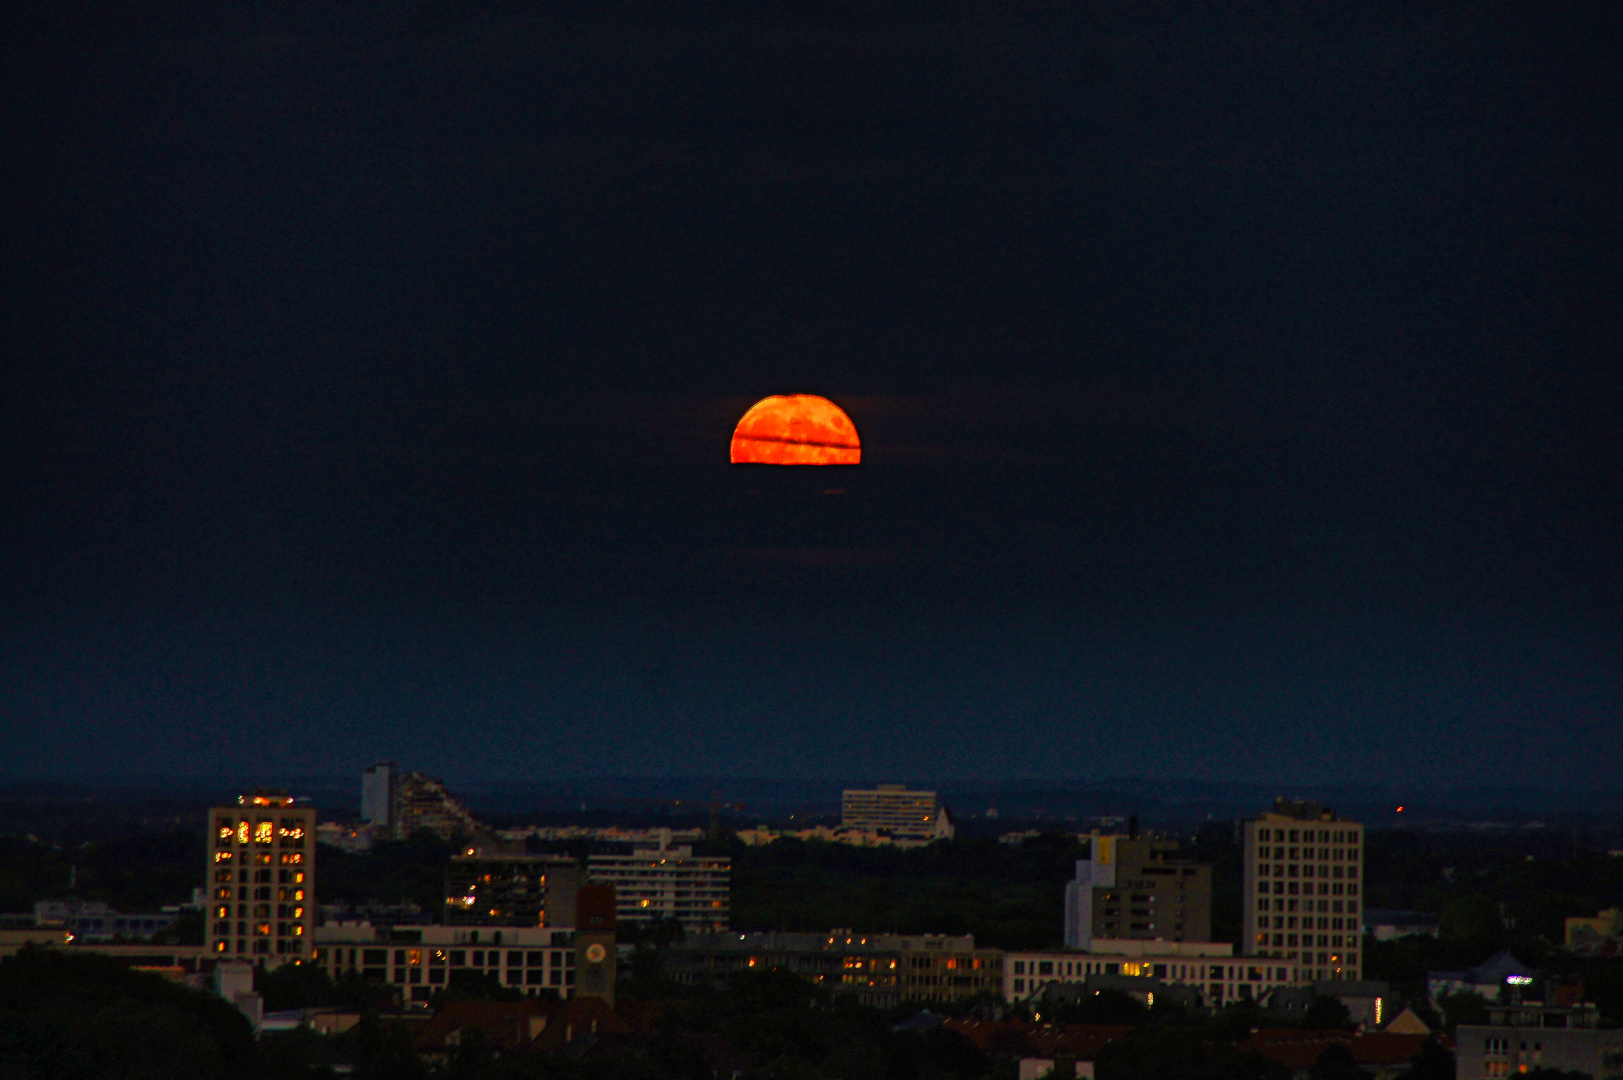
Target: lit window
264	832
242	832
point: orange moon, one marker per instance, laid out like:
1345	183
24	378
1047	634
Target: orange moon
796	429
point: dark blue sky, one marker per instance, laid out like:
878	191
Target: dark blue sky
1238	385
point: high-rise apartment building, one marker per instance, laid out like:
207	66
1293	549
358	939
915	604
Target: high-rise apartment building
1303	893
423	802
378	794
1137	889
668	883
891	808
261	879
483	889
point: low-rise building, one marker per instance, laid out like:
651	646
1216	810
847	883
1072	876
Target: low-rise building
1519	1038
1208	966
516	1027
1600	936
94	920
419	960
348	837
1389	925
179	962
876	969
1369	1003
1043	1049
1498	978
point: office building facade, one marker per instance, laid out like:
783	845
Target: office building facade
1303	890
261	874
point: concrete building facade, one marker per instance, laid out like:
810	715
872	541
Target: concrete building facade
892	810
1303	890
1138	889
510	890
423	802
1530	1036
1209	967
668	882
378	794
261	880
94	920
881	970
419	960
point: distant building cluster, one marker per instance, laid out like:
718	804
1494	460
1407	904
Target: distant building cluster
93	920
1599	936
884	816
606	835
399	804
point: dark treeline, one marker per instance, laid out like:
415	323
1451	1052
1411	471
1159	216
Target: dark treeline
87	1018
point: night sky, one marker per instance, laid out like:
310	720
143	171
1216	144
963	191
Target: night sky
1239	387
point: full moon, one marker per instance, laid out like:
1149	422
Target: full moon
796	429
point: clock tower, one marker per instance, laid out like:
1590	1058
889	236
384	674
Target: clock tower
595	954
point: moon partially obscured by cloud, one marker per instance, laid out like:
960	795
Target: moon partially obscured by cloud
796	429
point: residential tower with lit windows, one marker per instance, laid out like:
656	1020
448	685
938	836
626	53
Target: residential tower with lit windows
1303	890
261	880
668	883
